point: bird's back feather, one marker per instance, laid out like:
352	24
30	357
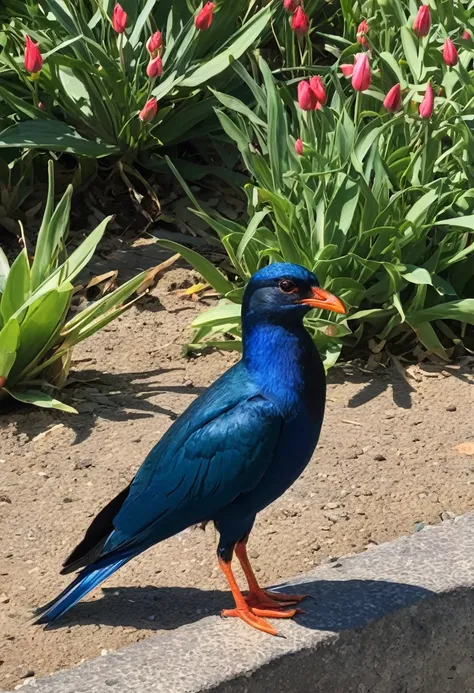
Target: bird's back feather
219	448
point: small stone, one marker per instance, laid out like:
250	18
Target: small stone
111	682
253	553
419	526
188	383
67	500
355	454
104	400
84	464
325	528
330	559
4	599
5	499
152	617
379	457
103	652
451	407
447	515
24	672
87	408
332	506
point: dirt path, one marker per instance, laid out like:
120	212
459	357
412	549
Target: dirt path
386	461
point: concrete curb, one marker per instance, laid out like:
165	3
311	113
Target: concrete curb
396	619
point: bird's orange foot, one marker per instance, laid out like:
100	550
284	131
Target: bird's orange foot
251	619
265	599
276	612
255	617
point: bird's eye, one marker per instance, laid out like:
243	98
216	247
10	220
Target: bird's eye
288	287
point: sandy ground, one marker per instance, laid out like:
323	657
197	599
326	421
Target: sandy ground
386	462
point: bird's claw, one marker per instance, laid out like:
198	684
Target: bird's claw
266	599
255	616
251	619
276	612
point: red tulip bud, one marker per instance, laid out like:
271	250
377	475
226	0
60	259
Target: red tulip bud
361	72
204	17
155	67
426	106
33	57
119	19
154	43
318	89
300	22
422	23
466	35
306	99
393	100
299	147
149	110
362	31
347	69
450	54
290	5
41	106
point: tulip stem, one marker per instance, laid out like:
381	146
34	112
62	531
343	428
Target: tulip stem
357	111
122	61
151	84
425	152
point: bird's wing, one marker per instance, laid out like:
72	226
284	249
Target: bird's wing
217	462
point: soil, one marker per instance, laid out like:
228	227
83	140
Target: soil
386	463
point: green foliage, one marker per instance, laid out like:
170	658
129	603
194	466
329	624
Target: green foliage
16	184
94	83
37	332
379	206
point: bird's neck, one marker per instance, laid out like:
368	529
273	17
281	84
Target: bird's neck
285	364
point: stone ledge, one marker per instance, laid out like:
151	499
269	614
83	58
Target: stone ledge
396	619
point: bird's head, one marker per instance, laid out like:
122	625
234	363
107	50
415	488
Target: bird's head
284	293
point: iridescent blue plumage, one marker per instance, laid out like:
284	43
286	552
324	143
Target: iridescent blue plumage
237	448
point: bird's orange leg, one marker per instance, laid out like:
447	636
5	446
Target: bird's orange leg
258	598
251	616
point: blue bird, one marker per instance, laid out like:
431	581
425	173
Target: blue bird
237	448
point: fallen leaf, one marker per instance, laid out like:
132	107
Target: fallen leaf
194	289
152	274
47	432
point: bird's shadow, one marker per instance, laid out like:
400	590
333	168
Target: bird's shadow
332	605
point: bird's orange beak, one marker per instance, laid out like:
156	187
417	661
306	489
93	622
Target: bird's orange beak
323	299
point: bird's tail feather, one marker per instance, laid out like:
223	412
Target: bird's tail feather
87	579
